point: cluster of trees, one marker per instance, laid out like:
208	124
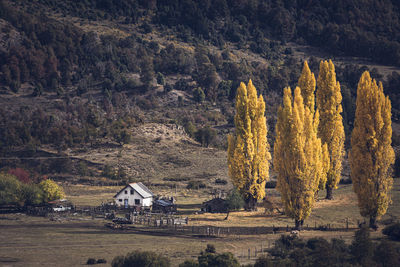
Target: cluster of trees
287	251
340	27
293	251
75	123
309	144
17	187
208	257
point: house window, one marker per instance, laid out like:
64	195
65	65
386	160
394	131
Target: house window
137	201
126	192
120	200
131	191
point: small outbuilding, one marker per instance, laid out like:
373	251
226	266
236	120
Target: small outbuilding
134	195
215	205
164	206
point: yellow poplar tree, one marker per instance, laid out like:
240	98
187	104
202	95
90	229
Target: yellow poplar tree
330	130
297	156
371	151
307	85
248	148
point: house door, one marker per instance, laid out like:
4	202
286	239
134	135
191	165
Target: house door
126	203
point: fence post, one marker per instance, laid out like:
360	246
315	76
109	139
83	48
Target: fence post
249	255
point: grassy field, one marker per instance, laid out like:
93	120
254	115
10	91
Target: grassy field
38	241
335	212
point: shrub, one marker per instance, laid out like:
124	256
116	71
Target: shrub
392	231
386	254
109	172
198	95
209	257
91	261
234	201
210	248
205	136
263	261
21	174
195	185
51	190
167	88
101	261
362	247
141	258
189	263
31	194
82	169
10	188
221	181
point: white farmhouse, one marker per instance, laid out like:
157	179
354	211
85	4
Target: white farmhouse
134	195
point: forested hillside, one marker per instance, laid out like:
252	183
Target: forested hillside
77	73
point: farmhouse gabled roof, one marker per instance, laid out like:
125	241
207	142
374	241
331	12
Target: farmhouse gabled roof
140	188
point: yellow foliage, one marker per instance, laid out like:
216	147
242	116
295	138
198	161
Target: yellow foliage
307	86
297	156
371	151
248	148
51	191
330	129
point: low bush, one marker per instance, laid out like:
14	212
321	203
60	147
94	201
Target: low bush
221	181
141	258
195	185
101	261
392	231
91	261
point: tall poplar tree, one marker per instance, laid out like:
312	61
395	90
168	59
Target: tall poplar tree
330	130
307	85
297	156
371	151
248	148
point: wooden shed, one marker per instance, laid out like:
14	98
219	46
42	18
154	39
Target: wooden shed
164	206
215	205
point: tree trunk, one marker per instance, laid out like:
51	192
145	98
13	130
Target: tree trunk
227	215
372	222
329	192
298	224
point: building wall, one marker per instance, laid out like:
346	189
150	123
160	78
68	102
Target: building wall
127	194
147	202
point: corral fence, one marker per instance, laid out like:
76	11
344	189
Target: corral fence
94	211
180	225
173	224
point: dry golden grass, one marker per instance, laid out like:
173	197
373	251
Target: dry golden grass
37	241
335	212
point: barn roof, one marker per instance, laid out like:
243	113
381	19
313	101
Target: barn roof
140	188
164	203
